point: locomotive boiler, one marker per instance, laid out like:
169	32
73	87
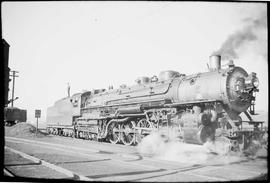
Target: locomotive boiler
200	107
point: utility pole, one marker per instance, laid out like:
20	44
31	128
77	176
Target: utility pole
37	115
13	85
68	90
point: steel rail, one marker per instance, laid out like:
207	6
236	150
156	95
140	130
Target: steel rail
83	152
8	173
50	165
163	172
76	152
184	171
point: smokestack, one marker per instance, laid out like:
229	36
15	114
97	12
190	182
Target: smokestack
214	62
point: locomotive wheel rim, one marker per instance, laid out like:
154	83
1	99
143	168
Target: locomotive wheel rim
143	123
95	137
86	136
80	135
115	134
128	137
89	136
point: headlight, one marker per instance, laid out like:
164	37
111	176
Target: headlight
256	82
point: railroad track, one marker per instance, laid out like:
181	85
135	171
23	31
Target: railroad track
74	175
146	168
8	173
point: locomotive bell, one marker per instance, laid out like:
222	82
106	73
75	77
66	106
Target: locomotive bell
214	62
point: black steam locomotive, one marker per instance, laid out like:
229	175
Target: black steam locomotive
199	107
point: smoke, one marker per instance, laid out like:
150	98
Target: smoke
252	37
171	149
156	145
166	146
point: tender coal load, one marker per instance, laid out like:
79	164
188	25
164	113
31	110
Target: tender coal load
23	130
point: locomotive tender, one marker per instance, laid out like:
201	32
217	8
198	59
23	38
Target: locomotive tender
199	107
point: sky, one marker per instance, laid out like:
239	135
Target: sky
97	44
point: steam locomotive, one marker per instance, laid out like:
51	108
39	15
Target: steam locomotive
199	108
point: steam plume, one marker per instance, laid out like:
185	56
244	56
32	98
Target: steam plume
252	35
171	149
165	145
